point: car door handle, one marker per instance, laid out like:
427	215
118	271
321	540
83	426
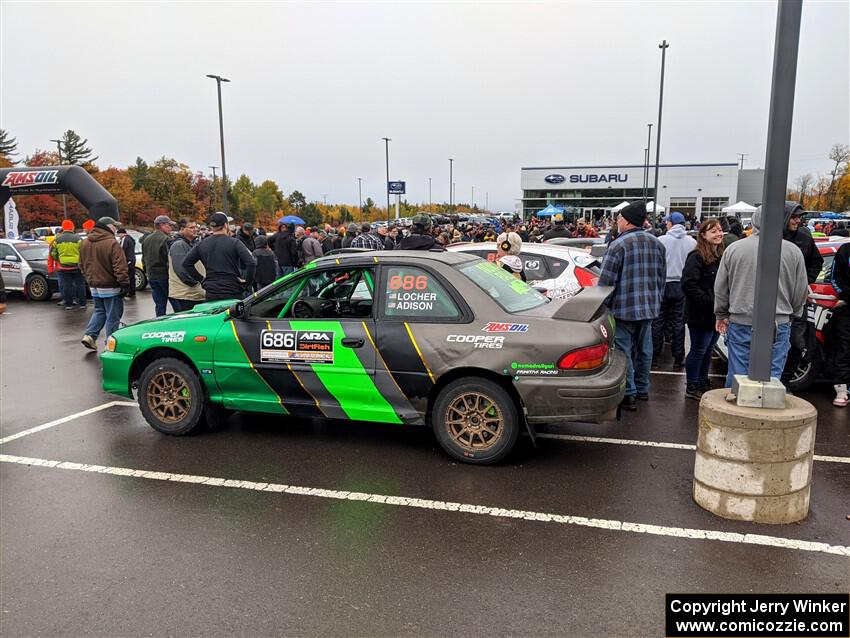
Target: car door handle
353	342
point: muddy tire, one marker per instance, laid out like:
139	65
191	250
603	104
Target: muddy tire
475	421
171	397
38	289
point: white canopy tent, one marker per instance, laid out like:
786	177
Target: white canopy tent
741	208
650	208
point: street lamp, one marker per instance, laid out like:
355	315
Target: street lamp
472	201
212	192
387	185
360	196
663	46
451	183
430	206
646	152
64	201
218	80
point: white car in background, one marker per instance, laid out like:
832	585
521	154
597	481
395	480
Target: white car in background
557	271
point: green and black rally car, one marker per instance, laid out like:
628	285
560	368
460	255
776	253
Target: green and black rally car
444	339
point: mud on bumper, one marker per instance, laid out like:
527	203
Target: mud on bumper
593	397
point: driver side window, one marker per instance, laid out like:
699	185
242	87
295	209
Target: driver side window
341	293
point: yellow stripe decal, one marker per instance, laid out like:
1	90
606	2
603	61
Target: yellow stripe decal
419	352
378	352
251	363
337	261
294	374
375	258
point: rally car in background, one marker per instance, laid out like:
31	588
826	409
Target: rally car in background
427	338
23	266
556	271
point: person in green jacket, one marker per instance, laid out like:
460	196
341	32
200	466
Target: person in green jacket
65	251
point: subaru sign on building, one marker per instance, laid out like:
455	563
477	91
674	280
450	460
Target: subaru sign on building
696	190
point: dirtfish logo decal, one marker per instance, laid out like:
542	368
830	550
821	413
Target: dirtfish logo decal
21	179
172	336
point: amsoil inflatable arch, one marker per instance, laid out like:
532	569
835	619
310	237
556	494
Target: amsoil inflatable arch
58	180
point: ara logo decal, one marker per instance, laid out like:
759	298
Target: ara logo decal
495	326
166	336
22	179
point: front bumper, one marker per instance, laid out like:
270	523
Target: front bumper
116	373
593	397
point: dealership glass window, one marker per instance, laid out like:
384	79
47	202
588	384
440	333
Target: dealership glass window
685	205
711	206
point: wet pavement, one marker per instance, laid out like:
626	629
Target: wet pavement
87	551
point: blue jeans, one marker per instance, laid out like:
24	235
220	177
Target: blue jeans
159	292
738	340
73	287
699	357
107	311
634	338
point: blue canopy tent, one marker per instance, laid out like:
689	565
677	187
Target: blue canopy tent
549	211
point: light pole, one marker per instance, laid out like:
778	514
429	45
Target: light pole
387	185
646	153
64	201
487	200
472	200
430	207
218	80
663	46
741	156
212	192
360	196
451	183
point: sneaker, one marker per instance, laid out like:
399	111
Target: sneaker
82	307
61	303
71	307
842	399
629	403
678	365
693	391
89	342
642	396
705	385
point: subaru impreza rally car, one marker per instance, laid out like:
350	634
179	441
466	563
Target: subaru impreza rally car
408	337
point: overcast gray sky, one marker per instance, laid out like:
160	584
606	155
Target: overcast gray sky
495	86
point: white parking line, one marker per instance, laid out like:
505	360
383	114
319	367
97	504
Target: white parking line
419	503
65	419
661	444
681	374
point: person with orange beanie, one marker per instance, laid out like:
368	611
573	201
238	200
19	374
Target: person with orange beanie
65	251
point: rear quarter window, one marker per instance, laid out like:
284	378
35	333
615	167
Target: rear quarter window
512	294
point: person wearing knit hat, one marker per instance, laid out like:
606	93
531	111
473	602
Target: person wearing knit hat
636	268
65	253
508	247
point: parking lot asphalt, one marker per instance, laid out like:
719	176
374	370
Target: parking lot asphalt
138	534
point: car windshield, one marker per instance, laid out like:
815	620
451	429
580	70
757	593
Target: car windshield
33	252
512	294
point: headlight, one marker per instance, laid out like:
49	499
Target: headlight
111	343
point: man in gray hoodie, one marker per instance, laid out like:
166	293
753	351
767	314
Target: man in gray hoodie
734	298
671	319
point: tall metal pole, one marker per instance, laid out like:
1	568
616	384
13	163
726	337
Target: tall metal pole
212	191
487	200
472	201
741	157
218	80
647	152
782	90
645	171
360	196
387	186
430	206
451	183
663	46
64	200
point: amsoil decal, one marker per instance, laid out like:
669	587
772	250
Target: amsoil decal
495	326
22	179
166	336
478	341
297	346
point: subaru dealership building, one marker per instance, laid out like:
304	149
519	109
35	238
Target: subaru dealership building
697	190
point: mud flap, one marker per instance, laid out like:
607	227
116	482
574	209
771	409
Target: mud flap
532	433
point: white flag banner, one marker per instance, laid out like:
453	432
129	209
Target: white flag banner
10	219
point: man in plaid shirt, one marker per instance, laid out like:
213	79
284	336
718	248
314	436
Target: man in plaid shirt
368	239
636	266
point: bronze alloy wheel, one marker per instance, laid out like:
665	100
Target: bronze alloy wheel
474	421
169	397
38	288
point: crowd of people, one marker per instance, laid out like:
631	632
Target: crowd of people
664	279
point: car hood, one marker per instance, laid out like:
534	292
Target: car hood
201	310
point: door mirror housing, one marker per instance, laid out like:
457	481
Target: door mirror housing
12	257
237	310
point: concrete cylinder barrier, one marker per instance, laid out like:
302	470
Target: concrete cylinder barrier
754	464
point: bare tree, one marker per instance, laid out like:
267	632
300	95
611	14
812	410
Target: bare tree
803	184
840	154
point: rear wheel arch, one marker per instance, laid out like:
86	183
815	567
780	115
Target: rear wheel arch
457	373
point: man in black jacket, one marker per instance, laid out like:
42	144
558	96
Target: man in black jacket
285	248
155	259
128	245
225	259
840	324
420	237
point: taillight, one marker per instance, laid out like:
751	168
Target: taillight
584	358
585	277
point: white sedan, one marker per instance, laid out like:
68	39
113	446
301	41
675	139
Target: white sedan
557	271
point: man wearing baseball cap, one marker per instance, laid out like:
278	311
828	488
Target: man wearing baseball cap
155	260
671	318
105	269
229	264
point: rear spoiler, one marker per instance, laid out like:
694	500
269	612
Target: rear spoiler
583	305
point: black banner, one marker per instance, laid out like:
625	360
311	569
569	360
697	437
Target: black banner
757	615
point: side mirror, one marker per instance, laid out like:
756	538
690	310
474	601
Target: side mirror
237	310
12	258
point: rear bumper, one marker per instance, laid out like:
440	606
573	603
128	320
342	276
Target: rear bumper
588	398
116	373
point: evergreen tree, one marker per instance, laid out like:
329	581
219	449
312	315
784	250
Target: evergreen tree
139	174
8	146
74	149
